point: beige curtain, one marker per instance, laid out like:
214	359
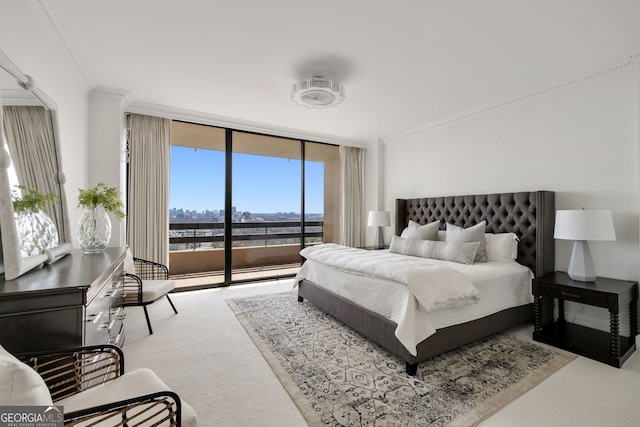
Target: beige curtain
148	187
352	196
29	132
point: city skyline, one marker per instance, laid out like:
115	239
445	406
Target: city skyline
261	184
220	212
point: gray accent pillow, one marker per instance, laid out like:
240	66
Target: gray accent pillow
463	253
501	247
421	232
470	234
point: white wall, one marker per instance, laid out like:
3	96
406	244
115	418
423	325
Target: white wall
581	141
107	160
30	42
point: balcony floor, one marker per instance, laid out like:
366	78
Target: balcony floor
216	278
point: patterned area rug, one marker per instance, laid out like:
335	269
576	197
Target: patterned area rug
337	377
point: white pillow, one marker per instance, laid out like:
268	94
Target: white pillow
421	232
20	385
470	234
463	253
501	247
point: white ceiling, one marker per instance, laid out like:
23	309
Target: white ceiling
405	65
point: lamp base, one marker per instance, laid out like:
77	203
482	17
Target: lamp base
379	242
581	265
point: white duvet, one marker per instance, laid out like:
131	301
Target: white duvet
375	286
434	286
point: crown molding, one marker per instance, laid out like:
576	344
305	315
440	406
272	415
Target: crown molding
138	107
628	60
18	97
630	55
110	91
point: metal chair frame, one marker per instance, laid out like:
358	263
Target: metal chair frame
145	270
67	372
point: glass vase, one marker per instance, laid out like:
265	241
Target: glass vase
94	230
36	232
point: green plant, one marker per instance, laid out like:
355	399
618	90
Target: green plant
102	195
32	200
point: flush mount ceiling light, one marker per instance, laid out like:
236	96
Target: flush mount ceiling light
317	92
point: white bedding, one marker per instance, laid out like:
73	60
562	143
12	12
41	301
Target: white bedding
500	285
435	286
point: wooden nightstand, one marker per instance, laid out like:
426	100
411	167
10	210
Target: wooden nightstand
608	347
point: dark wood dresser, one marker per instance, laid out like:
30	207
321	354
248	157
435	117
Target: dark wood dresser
73	302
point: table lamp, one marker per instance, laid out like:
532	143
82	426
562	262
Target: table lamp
581	226
379	219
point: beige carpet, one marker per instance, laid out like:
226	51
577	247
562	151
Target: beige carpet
205	355
338	377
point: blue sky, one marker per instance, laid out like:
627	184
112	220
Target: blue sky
260	184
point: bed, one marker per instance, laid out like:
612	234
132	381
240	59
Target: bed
530	215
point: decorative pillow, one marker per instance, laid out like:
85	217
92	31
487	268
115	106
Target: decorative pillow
421	232
501	247
469	234
461	252
19	384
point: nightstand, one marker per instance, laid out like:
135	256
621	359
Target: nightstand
608	347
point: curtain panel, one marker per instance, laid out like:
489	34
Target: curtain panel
351	196
148	187
29	132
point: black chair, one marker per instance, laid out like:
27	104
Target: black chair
146	282
91	386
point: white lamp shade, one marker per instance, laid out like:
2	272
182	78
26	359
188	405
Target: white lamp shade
379	219
584	225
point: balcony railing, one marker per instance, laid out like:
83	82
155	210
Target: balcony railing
195	235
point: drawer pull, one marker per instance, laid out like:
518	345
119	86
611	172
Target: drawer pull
93	318
107	324
104	325
116	340
570	295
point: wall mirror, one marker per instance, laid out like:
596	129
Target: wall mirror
29	156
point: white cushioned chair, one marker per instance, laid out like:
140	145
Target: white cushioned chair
145	283
91	386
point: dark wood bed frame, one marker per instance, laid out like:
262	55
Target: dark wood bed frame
530	215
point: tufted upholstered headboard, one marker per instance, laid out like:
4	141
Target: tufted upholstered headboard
530	215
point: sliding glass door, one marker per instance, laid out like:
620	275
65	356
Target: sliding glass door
321	193
266	199
197	198
244	204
